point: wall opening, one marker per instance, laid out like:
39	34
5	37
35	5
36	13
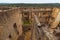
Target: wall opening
15	28
10	36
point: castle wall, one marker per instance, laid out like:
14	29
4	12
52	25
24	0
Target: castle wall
10	25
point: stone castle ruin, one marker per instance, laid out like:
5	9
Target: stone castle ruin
18	23
10	24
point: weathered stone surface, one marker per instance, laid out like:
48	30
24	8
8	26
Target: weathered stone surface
10	25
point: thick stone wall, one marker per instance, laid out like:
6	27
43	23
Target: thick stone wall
10	24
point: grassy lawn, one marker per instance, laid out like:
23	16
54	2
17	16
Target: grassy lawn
27	22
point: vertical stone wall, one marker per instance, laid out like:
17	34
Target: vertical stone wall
10	24
55	19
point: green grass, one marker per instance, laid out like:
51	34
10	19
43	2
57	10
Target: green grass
26	22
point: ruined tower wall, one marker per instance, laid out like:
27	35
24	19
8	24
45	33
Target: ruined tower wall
10	24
